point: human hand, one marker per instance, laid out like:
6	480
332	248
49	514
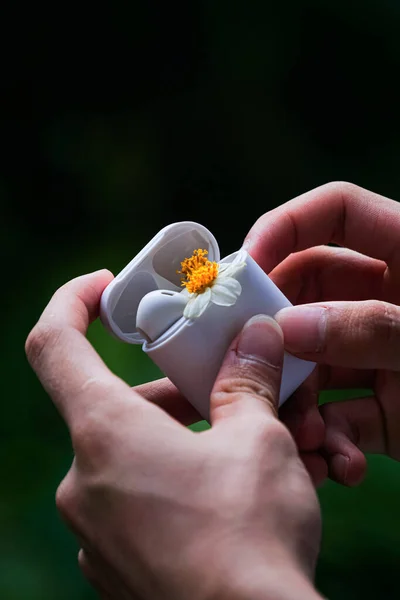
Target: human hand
352	330
161	511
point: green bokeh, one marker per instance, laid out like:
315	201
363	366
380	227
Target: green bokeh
131	120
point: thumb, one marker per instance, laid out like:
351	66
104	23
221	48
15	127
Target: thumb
250	376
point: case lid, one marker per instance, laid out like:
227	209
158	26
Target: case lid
155	267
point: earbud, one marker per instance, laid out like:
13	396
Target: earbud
157	311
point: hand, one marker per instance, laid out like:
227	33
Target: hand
161	511
352	330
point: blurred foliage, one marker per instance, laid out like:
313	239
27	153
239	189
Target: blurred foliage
116	122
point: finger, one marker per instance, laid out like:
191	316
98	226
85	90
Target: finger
301	415
324	274
342	378
316	466
338	212
103	576
164	394
353	427
363	335
330	274
67	365
249	380
93	577
300	412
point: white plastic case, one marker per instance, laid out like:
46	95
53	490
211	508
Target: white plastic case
191	352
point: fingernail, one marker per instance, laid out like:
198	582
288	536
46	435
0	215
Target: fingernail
303	327
261	339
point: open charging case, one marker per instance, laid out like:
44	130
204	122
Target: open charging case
190	352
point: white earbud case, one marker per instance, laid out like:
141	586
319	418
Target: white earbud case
190	352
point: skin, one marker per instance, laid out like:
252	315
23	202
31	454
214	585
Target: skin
160	511
250	518
355	336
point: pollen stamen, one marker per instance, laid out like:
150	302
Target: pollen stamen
198	273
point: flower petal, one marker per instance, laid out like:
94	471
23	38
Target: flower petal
233	268
241	256
230	283
223	267
225	293
197	304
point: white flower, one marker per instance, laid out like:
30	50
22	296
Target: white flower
209	282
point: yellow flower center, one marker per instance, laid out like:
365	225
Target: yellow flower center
198	272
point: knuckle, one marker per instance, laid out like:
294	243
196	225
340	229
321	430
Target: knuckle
67	499
41	337
251	381
90	438
279	436
271	433
343	188
385	322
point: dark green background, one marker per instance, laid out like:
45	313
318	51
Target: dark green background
118	121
